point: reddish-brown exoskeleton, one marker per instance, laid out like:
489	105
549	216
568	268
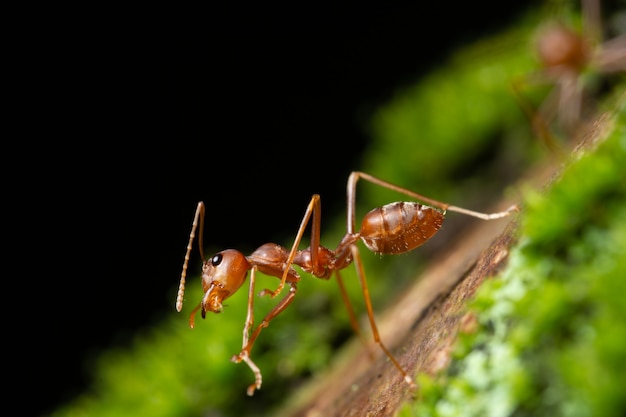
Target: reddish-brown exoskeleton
391	229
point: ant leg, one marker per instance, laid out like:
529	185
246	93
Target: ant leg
244	355
192	319
250	314
352	316
370	314
355	175
538	122
592	22
314	208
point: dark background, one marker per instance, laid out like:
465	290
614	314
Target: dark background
139	114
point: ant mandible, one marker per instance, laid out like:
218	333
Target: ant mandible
395	228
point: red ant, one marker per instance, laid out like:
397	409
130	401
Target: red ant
566	56
391	229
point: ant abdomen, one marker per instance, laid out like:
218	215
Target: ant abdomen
399	227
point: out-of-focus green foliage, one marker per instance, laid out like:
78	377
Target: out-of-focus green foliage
436	131
458	135
553	325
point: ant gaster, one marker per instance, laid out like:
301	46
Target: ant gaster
391	229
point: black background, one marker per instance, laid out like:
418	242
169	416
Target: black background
136	115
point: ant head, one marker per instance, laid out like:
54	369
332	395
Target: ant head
222	275
560	48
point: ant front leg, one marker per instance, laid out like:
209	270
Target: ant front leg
246	345
244	355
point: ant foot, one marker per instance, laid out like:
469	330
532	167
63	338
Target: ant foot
411	383
266	292
514	209
253	387
258	379
271	293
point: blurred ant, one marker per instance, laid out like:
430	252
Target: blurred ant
566	57
395	228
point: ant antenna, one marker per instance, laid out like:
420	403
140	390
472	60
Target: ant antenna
183	275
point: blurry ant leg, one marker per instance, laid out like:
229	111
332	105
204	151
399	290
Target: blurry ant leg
538	121
592	22
570	103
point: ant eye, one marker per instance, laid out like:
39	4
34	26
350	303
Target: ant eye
216	260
